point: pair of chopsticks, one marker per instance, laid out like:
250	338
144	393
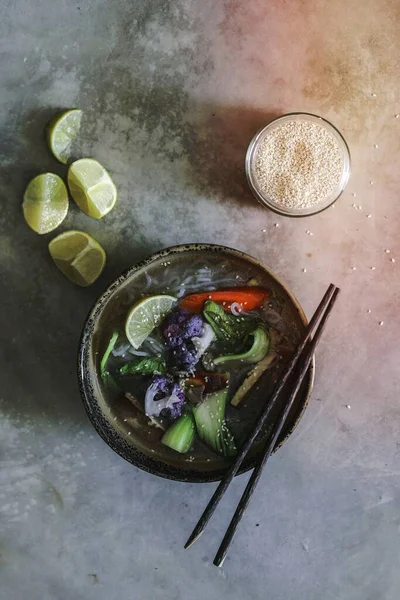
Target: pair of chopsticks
297	367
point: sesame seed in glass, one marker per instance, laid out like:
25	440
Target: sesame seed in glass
298	165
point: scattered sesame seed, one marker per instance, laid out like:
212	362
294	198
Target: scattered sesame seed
355	206
304	270
354	194
369	311
348	406
359	207
129	432
397	116
387	251
374	95
263	230
369	216
392	260
381	323
237	276
354	268
376	146
276	224
373	268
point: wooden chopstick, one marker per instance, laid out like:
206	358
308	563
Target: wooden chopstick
233	469
304	363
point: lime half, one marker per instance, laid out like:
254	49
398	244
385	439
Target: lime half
45	203
91	187
78	256
62	131
145	316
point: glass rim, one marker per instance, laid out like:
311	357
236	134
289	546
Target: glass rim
268	202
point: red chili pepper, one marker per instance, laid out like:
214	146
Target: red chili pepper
248	298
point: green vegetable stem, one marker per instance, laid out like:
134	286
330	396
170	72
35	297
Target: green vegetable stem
180	435
257	352
105	375
211	425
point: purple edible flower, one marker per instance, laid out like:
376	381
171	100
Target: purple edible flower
193	326
185	357
163	395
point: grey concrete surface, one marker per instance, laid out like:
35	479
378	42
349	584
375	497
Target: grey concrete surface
172	93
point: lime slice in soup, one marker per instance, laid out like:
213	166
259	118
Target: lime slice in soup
45	203
62	131
145	316
92	187
78	256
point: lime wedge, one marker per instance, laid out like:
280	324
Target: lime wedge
78	256
62	131
45	203
145	315
91	187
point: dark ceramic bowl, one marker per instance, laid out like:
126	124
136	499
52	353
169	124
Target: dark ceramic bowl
114	417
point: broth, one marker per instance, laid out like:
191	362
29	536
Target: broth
178	275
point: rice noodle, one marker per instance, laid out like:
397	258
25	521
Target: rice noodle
137	352
205	270
236	309
153	346
121	349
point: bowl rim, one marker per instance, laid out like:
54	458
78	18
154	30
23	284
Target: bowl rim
88	395
248	162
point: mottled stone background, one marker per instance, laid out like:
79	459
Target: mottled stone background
172	93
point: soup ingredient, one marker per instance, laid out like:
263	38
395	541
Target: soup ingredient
253	377
62	131
203	341
194	390
211	382
227	327
298	164
145	316
92	187
140	410
181	325
153	365
105	375
248	298
78	256
181	434
211	425
163	394
236	309
45	203
185	357
256	353
188	336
